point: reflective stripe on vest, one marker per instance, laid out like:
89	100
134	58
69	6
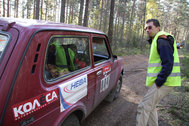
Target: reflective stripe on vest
159	64
155	74
154	65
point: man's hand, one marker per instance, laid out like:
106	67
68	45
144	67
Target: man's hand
157	86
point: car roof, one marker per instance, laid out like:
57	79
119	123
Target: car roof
37	25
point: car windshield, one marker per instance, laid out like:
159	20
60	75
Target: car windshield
3	44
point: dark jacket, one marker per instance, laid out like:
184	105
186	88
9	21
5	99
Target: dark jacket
165	50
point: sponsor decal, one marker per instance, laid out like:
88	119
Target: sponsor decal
27	107
106	69
27	121
105	82
72	91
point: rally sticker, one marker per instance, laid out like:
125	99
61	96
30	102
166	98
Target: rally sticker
106	69
72	91
105	82
27	107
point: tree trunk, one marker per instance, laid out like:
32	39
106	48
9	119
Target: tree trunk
86	14
34	8
72	13
0	9
28	5
37	9
67	8
185	34
81	12
8	9
70	10
143	26
110	31
101	14
106	17
23	8
16	8
41	10
62	13
123	23
54	12
131	23
3	8
116	27
46	11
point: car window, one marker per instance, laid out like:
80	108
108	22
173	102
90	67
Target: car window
100	50
3	44
66	54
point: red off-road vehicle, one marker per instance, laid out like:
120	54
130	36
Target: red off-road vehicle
54	74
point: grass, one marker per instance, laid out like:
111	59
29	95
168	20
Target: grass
175	109
185	66
129	51
179	111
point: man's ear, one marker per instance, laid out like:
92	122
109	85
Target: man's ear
158	28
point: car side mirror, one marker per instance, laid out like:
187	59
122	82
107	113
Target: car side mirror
114	57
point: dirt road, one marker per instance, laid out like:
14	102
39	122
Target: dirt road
122	112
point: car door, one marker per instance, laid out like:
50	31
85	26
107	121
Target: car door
77	54
102	66
76	83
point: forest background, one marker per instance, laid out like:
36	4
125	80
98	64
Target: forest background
122	20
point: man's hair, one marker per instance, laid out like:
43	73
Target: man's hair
155	22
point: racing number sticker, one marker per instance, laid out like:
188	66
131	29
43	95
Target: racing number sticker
105	83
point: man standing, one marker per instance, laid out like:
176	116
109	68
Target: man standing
162	75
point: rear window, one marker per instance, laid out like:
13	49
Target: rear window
66	55
3	44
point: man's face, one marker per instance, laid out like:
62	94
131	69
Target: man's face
151	29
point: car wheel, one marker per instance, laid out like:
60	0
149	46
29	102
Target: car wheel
118	87
72	120
116	91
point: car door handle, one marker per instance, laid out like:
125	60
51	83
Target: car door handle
99	73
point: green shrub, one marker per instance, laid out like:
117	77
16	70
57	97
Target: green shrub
185	66
120	51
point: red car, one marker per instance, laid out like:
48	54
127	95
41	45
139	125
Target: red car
54	74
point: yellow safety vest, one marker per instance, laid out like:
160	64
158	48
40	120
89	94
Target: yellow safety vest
154	65
61	60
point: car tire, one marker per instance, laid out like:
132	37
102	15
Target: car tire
114	94
71	120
